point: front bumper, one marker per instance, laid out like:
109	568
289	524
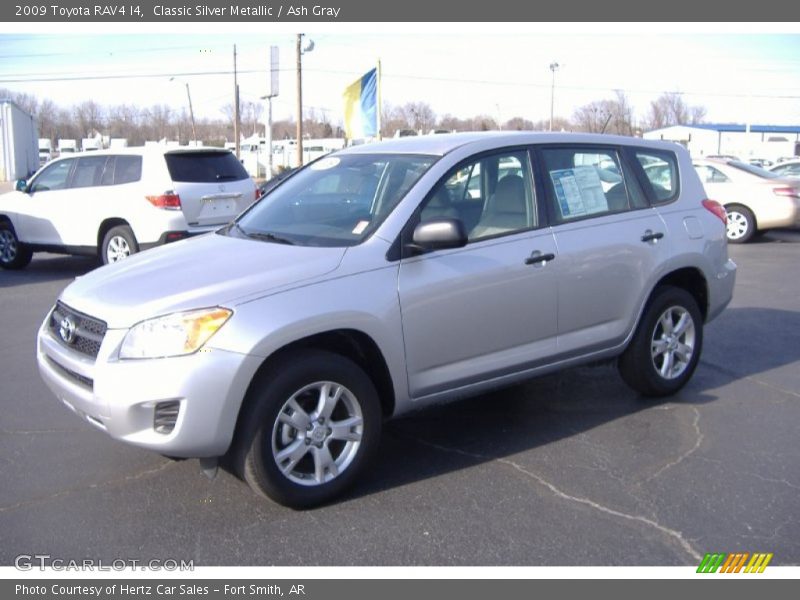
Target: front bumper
120	397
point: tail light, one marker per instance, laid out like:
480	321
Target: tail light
168	201
258	193
717	209
787	191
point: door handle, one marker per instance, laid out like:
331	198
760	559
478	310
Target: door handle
649	236
537	257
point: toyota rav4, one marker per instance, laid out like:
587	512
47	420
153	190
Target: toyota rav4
384	278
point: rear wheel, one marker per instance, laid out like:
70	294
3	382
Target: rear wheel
13	254
666	347
118	243
312	426
741	223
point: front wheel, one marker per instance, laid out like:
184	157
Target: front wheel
313	424
741	224
13	254
666	347
118	243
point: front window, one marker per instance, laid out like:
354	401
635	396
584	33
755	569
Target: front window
53	177
335	201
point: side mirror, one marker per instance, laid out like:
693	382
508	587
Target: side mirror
21	185
439	234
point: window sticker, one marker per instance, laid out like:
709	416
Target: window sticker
579	192
360	227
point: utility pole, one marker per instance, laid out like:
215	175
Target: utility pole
300	51
191	114
299	100
236	125
553	68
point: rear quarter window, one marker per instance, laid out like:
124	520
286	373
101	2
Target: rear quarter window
661	173
127	169
204	167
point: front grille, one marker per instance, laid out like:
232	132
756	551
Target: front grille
77	377
77	331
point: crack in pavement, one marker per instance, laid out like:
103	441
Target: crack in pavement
698	440
676	535
93	486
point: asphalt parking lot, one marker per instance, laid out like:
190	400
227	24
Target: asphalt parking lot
569	469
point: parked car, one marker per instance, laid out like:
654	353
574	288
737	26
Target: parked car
113	203
754	198
789	169
292	333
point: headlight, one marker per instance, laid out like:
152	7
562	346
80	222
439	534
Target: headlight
173	335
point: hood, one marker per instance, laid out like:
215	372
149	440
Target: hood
211	270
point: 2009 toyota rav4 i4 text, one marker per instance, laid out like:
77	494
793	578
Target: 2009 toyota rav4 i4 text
387	277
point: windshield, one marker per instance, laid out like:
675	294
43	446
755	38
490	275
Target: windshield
335	201
753	170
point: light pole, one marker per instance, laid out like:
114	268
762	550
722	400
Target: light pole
300	51
553	68
191	110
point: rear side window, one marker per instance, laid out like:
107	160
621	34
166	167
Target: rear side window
588	182
204	167
127	169
88	171
661	170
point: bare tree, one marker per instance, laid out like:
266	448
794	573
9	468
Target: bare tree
606	116
671	109
518	124
89	117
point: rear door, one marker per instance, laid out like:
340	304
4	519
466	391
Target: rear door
213	186
610	242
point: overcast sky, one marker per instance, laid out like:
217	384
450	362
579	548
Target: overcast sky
460	69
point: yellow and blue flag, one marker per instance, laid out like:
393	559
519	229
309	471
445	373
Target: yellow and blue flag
361	107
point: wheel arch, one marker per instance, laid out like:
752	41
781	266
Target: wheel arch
690	279
106	226
353	344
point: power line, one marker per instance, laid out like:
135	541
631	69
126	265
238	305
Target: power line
34	78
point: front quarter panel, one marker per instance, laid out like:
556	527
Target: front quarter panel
364	301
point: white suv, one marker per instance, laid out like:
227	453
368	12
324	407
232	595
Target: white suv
117	202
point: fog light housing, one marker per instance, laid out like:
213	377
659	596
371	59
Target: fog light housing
165	417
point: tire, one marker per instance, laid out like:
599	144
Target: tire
741	224
298	450
665	349
13	253
118	243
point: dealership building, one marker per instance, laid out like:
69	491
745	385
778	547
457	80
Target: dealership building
745	141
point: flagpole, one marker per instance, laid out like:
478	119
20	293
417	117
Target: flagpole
380	105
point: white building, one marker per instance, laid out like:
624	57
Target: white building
756	141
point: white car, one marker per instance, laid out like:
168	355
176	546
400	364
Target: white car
754	198
113	203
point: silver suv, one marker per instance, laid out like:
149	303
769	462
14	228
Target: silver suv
387	277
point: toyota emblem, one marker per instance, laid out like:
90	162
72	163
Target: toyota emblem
66	330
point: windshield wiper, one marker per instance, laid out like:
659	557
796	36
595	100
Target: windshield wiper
266	236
